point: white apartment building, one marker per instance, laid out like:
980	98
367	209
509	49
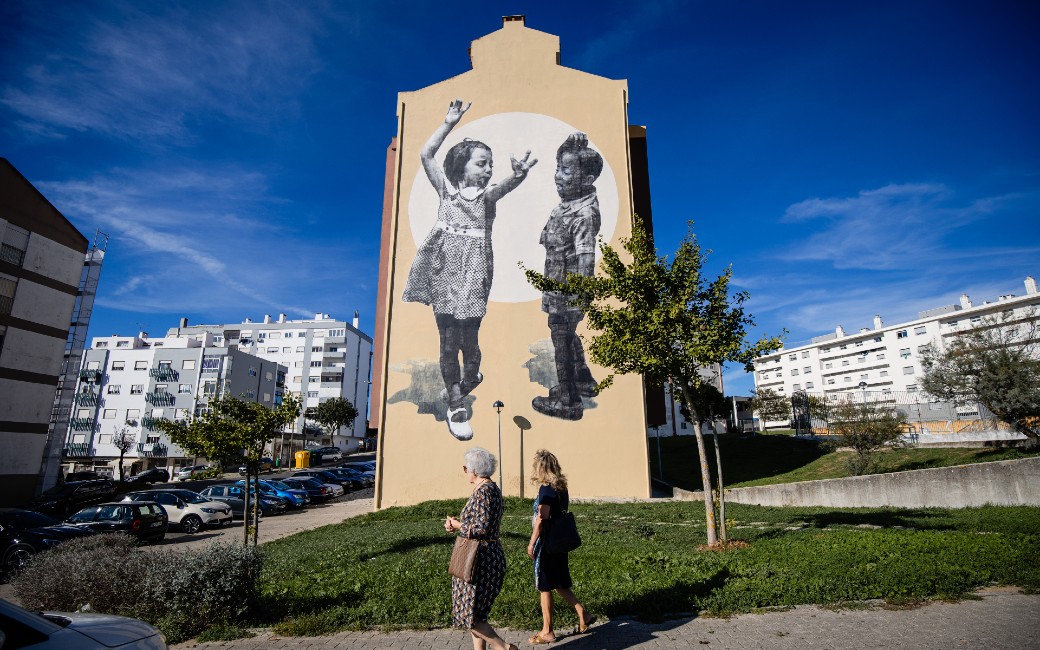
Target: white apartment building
134	381
324	358
885	359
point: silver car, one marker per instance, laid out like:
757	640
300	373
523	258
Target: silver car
77	631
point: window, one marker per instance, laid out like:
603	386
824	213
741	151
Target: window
921	349
158	413
160	388
911	388
333	349
288	335
93	365
861	358
859	344
209	388
7	287
137	389
133	415
809	386
843	347
846	378
884	373
299	348
165	365
798	387
827	365
316	348
805	354
101	344
312	393
122	344
792	357
904	353
830	381
297	364
180	414
210	364
919	330
901	334
252	371
794	372
807	370
109	414
188	364
844	362
140	365
880	356
105	439
83	413
272	350
824	350
975	320
315	364
118	365
113	389
249	394
184	388
908	370
269	376
862	377
286	350
267	397
313	380
274	335
15	241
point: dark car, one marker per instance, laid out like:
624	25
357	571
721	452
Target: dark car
234	496
25	532
325	476
355	480
315	489
153	475
70	496
361	465
145	520
264	465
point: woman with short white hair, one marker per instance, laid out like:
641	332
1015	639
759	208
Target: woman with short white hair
480	519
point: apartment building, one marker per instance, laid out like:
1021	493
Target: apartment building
884	359
324	358
128	383
41	260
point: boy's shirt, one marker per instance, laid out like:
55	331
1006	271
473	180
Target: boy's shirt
571	230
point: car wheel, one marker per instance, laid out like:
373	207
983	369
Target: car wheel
16	558
191	524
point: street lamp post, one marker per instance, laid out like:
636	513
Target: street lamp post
498	409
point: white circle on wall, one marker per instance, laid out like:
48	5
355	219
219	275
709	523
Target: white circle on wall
522	213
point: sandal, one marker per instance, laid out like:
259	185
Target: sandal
538	639
583	628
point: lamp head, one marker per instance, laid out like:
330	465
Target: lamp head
498	405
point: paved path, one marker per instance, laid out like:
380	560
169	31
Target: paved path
1001	619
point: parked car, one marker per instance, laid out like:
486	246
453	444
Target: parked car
188	473
321	455
74	631
150	476
189	510
145	520
70	496
295	498
323	475
358	480
315	489
25	532
361	465
266	465
86	475
235	498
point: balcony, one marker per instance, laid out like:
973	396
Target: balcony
86	399
150	422
160	399
82	424
77	450
151	450
164	373
90	374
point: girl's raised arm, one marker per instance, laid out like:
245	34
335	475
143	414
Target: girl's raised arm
520	169
433	171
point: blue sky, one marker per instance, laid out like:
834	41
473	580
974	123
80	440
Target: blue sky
846	158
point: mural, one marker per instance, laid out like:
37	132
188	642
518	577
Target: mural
455	270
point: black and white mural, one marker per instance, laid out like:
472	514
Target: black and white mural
474	224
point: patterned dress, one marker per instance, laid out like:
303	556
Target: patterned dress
453	269
551	570
481	517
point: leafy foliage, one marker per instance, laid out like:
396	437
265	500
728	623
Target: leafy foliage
771	405
866	427
664	320
124	440
333	414
996	363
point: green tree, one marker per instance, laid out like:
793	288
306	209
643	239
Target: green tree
770	405
333	414
996	364
234	427
866	427
664	320
124	440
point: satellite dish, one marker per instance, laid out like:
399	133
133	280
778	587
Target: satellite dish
521	422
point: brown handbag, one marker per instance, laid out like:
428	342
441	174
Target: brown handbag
463	558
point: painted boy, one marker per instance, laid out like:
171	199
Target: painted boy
569	238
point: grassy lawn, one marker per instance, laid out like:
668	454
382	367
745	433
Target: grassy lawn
388	569
767	460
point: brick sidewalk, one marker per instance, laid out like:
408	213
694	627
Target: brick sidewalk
1001	619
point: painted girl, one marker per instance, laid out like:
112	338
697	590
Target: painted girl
453	269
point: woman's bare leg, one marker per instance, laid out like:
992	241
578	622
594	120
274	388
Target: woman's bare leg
571	599
483	634
546	598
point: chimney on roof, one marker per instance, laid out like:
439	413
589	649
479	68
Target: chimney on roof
357	319
839	331
317	316
965	301
1030	286
267	318
281	318
878	323
515	18
247	321
183	323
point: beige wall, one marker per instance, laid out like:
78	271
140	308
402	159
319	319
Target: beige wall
521	99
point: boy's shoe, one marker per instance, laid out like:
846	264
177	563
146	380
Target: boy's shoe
587	388
557	409
458	423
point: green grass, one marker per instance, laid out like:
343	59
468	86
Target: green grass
768	460
388	569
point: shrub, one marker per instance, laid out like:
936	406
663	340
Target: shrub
181	592
867	427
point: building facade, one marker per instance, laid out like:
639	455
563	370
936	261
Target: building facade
128	383
41	260
324	358
885	361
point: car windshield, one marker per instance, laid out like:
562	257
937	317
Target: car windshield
87	514
192	497
279	485
26	519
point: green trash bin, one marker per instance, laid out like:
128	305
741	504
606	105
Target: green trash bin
303	459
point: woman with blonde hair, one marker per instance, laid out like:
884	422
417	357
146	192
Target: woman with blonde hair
480	519
551	571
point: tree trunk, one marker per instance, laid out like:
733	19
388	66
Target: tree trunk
709	507
247	510
722	490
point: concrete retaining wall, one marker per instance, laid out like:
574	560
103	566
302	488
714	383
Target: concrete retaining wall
1005	483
